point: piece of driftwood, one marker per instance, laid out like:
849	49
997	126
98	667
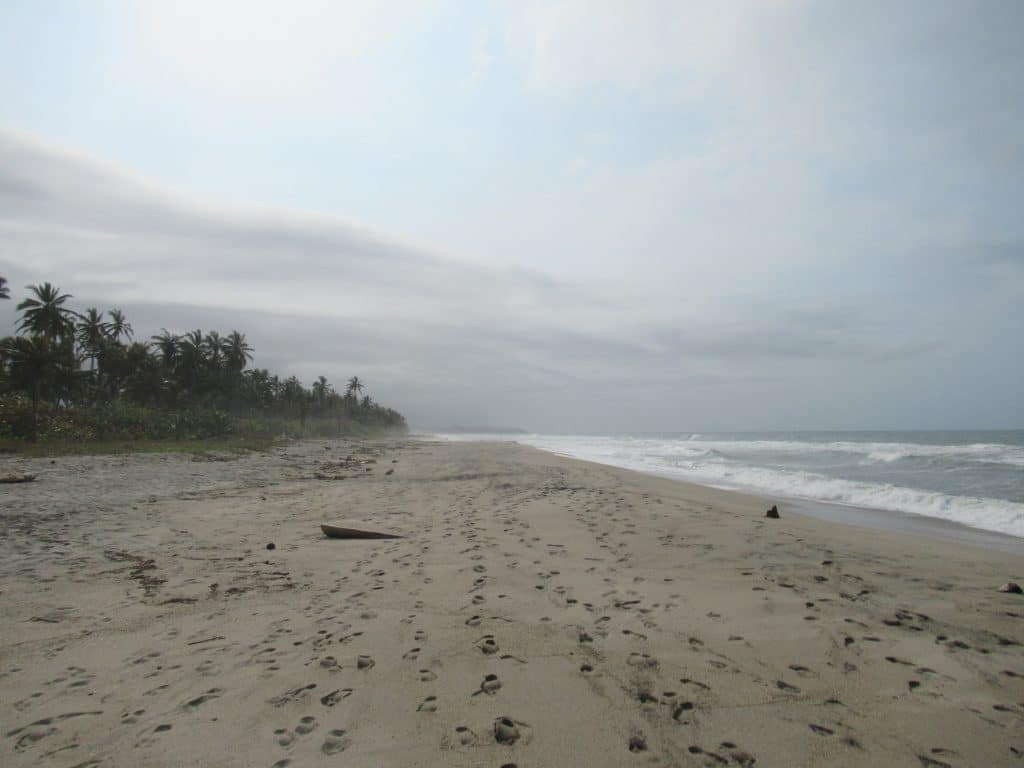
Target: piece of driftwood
18	477
342	532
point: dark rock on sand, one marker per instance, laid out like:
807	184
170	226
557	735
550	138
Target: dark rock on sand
1012	587
773	513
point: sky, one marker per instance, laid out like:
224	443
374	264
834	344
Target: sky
565	216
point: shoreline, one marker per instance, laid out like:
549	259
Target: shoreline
537	610
893	521
872	518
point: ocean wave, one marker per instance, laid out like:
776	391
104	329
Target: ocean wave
696	446
715	463
996	453
989	514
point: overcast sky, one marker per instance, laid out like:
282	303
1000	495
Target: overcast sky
565	216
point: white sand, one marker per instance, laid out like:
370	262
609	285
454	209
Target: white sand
146	624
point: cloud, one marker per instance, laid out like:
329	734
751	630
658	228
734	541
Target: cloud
775	268
576	44
480	57
306	56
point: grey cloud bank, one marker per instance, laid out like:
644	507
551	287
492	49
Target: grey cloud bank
447	341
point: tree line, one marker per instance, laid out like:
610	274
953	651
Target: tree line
89	364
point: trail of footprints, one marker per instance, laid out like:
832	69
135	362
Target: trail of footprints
593	626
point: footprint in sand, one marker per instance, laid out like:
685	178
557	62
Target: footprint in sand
680	708
465	736
641	660
365	662
488	645
292	695
130	718
284	737
429	704
334	697
420	636
306	725
717	758
213	693
426	676
336	741
490	685
739	756
508	731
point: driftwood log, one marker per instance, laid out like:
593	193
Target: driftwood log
342	532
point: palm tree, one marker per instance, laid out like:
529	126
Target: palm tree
355	386
45	313
321	389
119	326
5	292
91	332
167	343
213	349
237	351
189	359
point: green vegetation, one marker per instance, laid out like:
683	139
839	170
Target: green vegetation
198	448
74	378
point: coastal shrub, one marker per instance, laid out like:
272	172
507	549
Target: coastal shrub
110	421
81	376
123	421
15	415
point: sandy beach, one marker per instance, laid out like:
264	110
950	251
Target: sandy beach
536	611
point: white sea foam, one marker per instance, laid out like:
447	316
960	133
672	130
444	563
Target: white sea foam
978	512
740	464
995	453
698	445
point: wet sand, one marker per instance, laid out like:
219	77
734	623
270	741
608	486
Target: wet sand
905	522
538	611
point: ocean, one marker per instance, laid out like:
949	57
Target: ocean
975	478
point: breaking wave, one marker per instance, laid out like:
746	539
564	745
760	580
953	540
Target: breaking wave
977	483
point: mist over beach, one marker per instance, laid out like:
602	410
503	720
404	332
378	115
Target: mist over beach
542	383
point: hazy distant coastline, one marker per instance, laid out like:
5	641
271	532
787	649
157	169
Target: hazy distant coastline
480	430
